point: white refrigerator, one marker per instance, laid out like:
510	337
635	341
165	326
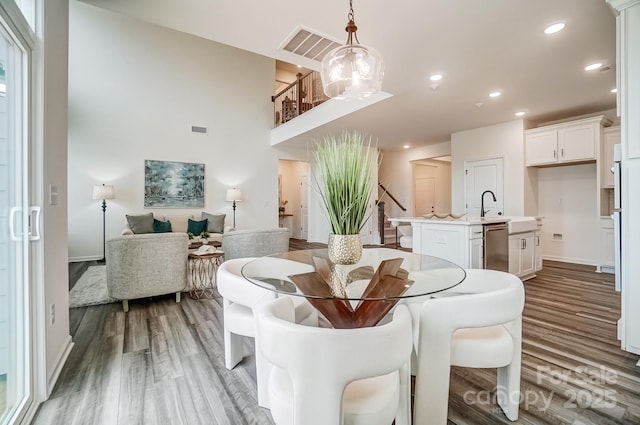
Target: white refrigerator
617	214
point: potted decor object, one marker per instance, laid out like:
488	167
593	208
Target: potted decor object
344	166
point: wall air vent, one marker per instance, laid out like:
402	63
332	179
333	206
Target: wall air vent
197	129
309	43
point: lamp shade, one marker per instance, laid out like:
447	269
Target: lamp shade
352	71
234	195
104	192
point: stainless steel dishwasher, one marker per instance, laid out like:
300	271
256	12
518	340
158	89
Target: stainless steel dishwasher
496	246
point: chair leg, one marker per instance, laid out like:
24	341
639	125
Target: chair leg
509	389
233	349
431	403
403	416
125	305
263	370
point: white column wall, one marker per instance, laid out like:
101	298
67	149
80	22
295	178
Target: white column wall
135	90
505	140
54	131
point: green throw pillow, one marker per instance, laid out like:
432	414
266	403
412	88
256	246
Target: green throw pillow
215	222
161	226
142	223
196	227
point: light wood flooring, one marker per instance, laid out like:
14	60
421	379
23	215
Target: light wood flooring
163	363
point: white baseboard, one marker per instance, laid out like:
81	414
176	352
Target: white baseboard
569	260
61	359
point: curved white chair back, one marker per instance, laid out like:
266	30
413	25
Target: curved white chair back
315	366
234	288
475	324
240	300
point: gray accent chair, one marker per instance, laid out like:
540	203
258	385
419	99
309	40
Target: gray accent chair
255	242
146	265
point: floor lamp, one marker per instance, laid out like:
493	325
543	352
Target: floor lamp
234	195
103	192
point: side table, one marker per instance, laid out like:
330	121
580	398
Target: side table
202	269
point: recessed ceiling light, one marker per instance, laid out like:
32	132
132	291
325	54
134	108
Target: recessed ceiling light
614	90
495	94
436	77
553	28
406	146
593	66
299	66
519	113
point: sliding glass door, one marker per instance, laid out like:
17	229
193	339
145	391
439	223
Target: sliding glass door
15	216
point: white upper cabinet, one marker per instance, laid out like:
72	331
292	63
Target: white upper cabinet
542	147
570	142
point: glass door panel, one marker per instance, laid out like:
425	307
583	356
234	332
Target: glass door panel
14	230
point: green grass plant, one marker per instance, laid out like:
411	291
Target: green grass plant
344	165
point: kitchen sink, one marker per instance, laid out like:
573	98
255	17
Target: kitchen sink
522	224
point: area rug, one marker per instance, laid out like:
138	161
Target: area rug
91	288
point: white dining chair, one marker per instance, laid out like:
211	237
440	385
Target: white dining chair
240	298
324	376
476	324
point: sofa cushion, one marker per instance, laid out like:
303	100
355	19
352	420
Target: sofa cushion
196	227
178	222
160	226
215	222
142	223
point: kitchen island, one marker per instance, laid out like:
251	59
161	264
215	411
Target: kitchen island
457	240
462	240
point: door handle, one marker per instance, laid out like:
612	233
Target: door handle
34	223
562	152
523	243
554	154
12	224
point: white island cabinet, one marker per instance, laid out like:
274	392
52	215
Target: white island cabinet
459	241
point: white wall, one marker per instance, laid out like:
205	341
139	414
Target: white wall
567	200
56	279
396	174
501	140
135	90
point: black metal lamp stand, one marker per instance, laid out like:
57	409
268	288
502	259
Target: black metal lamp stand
234	214
104	232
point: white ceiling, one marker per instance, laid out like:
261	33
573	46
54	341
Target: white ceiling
479	45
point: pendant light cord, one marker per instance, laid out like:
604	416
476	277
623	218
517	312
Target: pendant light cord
351	25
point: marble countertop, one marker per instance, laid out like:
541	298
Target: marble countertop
464	221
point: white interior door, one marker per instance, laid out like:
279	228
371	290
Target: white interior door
482	175
424	195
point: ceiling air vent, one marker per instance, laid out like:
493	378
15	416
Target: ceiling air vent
309	43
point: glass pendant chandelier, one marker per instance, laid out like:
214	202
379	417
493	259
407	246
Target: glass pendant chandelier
352	71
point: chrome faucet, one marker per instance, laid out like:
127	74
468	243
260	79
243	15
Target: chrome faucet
482	211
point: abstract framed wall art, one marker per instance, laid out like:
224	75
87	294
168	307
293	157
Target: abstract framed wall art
170	184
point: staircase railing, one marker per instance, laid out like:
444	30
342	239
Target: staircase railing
298	97
386	192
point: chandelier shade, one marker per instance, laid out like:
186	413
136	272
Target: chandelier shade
352	71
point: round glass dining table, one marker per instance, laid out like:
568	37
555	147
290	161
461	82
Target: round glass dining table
357	295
